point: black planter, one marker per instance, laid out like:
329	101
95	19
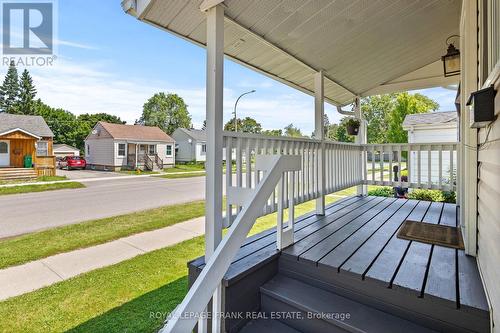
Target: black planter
352	129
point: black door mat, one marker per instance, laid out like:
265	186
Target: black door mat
432	234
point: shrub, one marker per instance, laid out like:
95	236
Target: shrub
449	196
426	195
384	191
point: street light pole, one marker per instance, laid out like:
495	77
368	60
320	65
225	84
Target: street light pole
235	105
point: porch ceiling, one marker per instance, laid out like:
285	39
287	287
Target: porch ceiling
364	47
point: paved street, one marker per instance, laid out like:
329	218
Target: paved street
30	212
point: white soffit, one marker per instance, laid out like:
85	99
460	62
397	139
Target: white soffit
364	47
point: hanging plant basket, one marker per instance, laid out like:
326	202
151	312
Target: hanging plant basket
352	126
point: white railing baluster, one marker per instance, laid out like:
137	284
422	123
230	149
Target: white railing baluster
229	179
429	167
440	167
419	167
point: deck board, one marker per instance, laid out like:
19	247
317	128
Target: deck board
341	253
332	240
333	225
441	279
411	273
387	262
368	252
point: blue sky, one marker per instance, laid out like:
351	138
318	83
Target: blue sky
110	62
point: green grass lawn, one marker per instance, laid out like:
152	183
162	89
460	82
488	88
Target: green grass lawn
118	298
37	179
39	188
42	244
185	168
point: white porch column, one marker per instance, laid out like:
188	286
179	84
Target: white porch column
319	134
361	138
468	139
213	187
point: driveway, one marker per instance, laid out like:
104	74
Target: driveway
30	212
85	174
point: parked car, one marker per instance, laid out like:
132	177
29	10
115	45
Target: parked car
72	162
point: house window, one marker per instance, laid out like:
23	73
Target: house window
121	150
152	149
4	148
203	148
169	150
88	150
42	148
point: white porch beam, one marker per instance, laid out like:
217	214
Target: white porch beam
213	187
207	4
361	138
319	134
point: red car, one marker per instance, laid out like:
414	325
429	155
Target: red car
73	162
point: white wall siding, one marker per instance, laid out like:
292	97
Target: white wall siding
488	211
120	161
101	151
186	150
200	155
161	150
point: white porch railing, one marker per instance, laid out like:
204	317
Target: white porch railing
342	167
428	165
263	179
273	167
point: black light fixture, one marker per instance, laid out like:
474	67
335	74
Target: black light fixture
451	60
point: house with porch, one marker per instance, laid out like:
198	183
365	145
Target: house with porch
348	266
25	147
115	147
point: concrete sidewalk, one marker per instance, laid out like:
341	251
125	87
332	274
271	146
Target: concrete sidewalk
37	274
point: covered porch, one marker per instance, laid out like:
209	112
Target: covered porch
143	156
25	155
352	257
337	52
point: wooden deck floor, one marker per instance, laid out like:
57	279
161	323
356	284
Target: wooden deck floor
356	241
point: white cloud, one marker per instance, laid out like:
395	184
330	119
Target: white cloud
74	44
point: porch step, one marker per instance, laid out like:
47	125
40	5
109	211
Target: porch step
324	311
267	325
17	173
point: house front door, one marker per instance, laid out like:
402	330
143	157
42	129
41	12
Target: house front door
4	153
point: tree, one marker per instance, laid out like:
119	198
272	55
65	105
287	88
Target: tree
67	127
27	93
167	111
9	91
247	125
406	104
376	111
63	123
273	132
293	131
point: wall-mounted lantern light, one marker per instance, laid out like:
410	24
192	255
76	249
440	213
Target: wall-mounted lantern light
451	60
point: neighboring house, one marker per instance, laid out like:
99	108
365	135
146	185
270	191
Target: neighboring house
23	138
62	150
116	146
431	128
190	145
